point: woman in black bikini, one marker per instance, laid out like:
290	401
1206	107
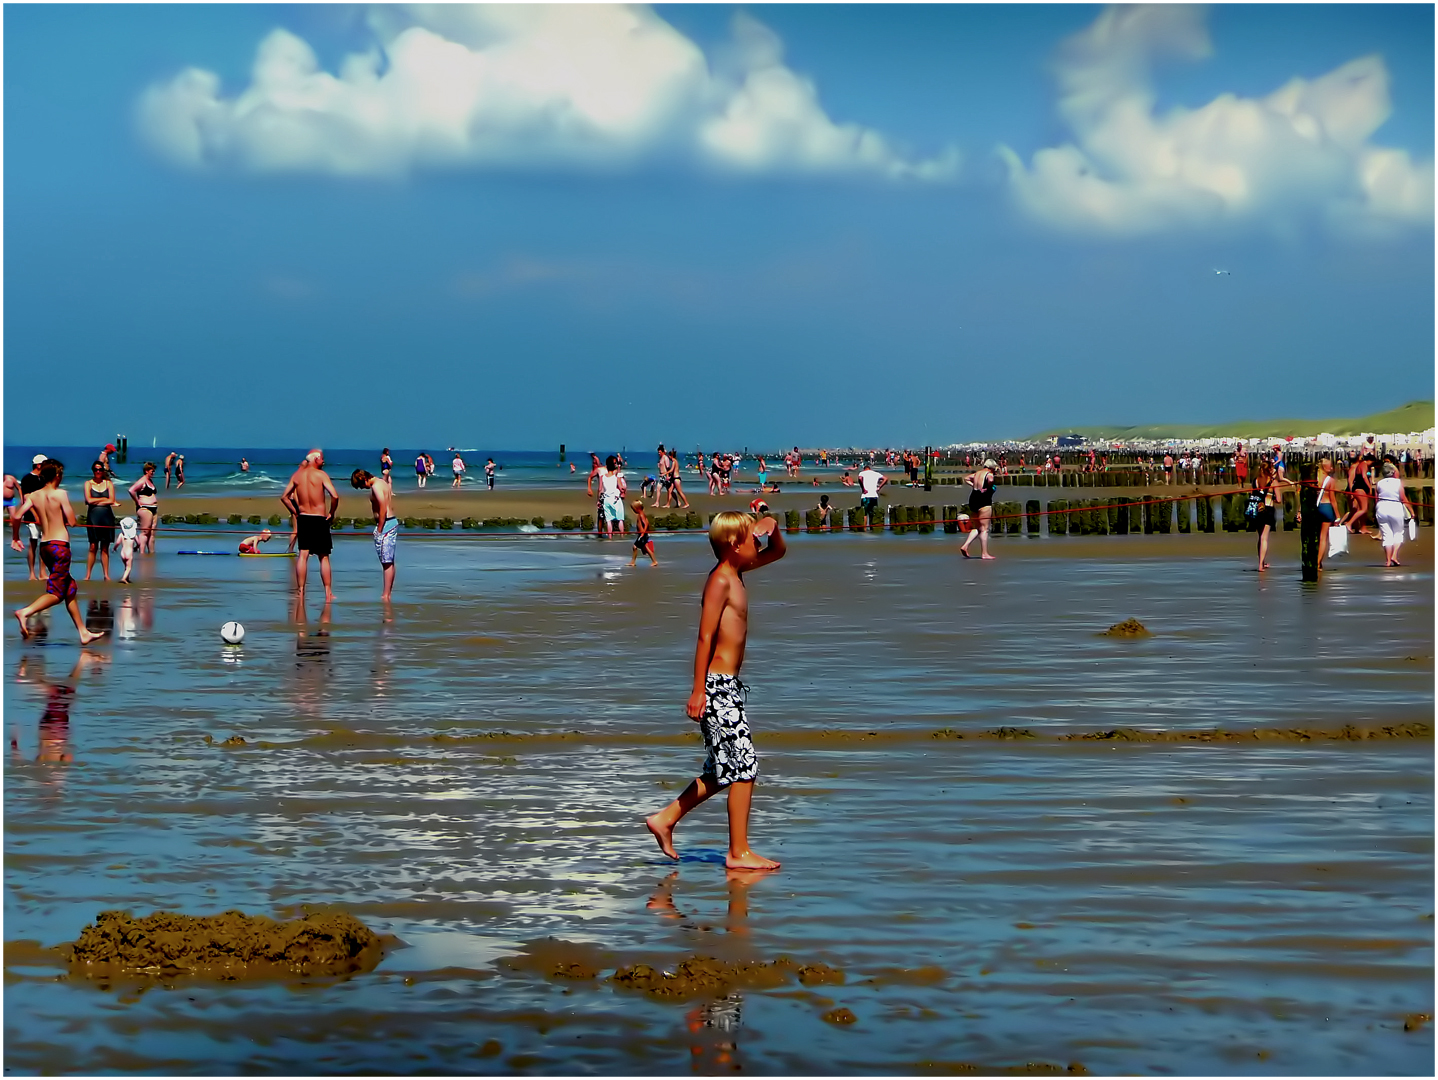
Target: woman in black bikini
99	518
1265	487
1360	487
981	507
147	507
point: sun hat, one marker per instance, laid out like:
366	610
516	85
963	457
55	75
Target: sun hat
129	528
38	459
990	463
109	446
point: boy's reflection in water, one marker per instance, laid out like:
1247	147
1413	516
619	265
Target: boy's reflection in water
59	695
99	618
714	1025
384	653
312	655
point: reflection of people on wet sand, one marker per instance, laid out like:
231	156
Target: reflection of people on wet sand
312	654
717	701
738	881
51	504
720	1015
54	727
99	617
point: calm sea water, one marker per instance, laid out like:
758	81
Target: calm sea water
1262	909
216	471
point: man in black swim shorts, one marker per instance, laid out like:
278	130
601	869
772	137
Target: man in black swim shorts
304	496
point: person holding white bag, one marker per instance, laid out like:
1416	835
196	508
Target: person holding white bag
1393	511
1327	515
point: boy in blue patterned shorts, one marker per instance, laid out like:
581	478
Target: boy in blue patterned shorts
717	703
386	525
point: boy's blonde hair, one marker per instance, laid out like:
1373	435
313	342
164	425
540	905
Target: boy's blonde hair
728	529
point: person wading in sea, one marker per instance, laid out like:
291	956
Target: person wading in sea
304	496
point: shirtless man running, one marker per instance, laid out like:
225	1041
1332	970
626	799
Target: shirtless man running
304	496
51	505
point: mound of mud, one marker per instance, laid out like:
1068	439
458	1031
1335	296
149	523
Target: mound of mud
1128	628
229	946
703	975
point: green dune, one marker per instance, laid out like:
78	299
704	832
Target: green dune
1414	416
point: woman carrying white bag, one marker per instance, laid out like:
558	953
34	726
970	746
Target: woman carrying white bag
1334	542
1394	511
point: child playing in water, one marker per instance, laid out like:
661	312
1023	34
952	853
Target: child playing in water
129	537
717	701
643	542
250	545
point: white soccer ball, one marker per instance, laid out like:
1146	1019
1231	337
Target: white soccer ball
232	633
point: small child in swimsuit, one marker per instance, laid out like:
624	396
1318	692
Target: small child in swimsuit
129	537
250	545
717	703
826	513
643	542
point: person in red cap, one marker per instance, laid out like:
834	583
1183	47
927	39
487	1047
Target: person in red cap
104	459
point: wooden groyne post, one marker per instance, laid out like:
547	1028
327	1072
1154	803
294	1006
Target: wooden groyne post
1308	531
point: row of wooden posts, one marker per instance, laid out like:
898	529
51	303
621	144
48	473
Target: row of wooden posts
1111	516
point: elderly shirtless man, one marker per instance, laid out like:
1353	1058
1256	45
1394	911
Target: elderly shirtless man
51	505
304	496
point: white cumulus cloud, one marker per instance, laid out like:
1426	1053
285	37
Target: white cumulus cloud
1302	150
589	86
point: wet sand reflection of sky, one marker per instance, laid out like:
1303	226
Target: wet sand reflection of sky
1129	907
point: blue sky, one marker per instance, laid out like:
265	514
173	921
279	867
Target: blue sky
269	225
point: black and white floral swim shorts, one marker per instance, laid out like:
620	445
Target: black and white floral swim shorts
726	732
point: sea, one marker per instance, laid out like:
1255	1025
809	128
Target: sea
468	768
216	470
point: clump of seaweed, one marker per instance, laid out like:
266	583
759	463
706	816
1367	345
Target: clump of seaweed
228	946
703	975
1128	628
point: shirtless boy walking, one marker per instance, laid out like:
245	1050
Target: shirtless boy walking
386	525
304	496
717	702
51	505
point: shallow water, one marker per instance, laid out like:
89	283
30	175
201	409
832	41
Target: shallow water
1131	908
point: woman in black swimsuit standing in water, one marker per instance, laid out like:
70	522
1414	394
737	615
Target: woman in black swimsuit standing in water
100	502
147	507
981	507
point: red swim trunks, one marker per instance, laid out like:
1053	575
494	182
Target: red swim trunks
55	554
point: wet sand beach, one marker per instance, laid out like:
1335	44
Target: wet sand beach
964	888
439	500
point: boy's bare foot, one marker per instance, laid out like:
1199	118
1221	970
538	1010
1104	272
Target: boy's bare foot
965	553
988	556
663	835
24	630
86	636
747	860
